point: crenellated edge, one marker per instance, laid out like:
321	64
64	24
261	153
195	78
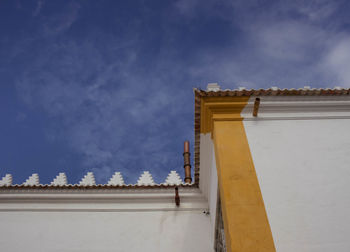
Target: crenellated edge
88	181
33	180
6	180
173	179
116	179
145	179
60	180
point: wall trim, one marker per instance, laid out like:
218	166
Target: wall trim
115	201
298	108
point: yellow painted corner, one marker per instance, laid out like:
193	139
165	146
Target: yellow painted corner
221	108
245	220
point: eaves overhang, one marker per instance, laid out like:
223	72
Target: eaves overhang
62	199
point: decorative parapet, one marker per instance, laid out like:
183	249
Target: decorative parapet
6	181
117	180
32	180
88	180
173	179
60	180
145	179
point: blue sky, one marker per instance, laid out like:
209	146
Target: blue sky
106	86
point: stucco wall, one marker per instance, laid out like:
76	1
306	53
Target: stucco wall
209	179
304	173
105	231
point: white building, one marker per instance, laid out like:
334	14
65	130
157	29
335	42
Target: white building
282	177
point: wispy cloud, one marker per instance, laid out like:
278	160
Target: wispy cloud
39	6
289	44
114	118
62	21
337	60
122	98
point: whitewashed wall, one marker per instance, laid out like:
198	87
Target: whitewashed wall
302	159
104	231
209	179
99	220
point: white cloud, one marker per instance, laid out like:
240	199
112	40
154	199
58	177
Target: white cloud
186	7
106	112
122	111
39	6
61	22
337	61
289	41
288	44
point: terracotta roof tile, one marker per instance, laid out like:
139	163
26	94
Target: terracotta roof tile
271	91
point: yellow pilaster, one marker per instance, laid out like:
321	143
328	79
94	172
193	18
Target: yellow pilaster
245	221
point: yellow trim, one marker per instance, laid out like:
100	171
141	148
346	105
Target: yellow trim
245	220
222	108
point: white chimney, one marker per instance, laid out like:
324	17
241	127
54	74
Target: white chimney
213	87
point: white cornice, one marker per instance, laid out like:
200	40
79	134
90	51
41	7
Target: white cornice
298	108
101	200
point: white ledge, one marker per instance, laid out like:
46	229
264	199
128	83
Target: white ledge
138	200
298	108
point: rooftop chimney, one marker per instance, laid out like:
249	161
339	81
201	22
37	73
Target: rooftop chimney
213	87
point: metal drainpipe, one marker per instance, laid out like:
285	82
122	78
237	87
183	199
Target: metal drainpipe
177	196
256	107
187	162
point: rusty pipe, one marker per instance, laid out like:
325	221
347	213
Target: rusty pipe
187	162
256	106
177	197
